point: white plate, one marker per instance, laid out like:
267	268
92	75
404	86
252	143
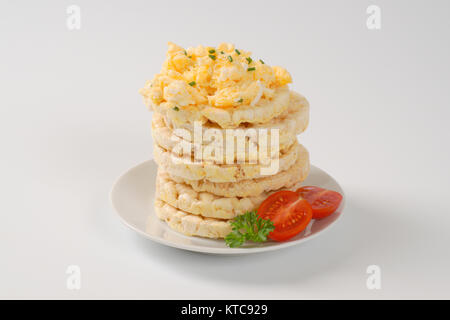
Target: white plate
132	197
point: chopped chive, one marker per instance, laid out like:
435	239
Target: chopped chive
212	51
190	57
230	58
251	69
249	60
240	100
176	108
192	83
237	51
212	57
261	61
185	53
222	52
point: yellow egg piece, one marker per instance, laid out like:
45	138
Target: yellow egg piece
221	76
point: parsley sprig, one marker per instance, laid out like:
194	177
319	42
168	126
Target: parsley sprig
248	227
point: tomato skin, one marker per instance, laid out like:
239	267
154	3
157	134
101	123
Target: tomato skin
289	213
309	191
323	202
304	211
283	197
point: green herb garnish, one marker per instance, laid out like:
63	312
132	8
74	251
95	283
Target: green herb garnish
212	51
261	61
192	83
248	227
222	52
185	53
240	100
212	57
251	69
249	60
176	108
230	58
237	51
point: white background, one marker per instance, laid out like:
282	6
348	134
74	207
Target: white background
72	120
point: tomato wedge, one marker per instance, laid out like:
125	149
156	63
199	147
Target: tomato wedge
289	213
323	202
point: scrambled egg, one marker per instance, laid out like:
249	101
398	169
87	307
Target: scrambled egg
221	77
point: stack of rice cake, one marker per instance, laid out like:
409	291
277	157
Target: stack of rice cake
206	175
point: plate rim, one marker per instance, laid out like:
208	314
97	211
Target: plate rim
209	250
